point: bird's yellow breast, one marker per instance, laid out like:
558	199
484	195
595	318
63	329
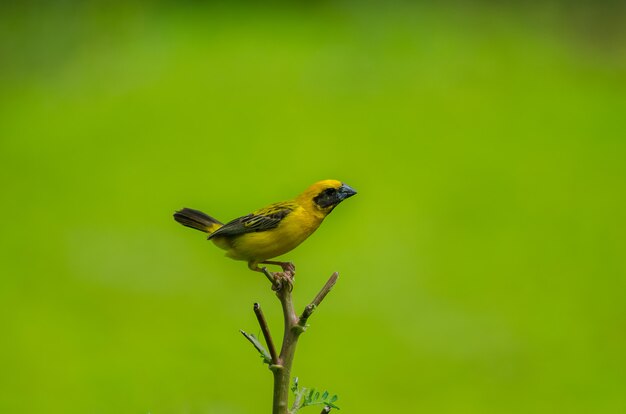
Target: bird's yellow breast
264	245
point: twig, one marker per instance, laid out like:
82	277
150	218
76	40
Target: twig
266	332
271	277
327	287
310	308
282	376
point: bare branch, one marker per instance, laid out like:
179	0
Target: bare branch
270	276
310	308
266	332
327	287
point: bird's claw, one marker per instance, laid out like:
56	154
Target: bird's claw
289	278
278	285
280	278
288	267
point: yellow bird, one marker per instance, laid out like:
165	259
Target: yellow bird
273	230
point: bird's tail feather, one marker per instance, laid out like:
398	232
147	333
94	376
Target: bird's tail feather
197	220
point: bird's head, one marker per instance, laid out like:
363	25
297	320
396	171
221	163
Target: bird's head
325	195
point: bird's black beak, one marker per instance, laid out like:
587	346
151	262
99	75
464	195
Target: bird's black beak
345	191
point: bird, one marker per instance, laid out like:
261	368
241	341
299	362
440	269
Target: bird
273	230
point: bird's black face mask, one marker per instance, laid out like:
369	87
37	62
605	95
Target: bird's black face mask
330	197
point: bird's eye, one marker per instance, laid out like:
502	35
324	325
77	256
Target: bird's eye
327	197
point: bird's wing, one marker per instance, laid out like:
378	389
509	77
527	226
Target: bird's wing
261	220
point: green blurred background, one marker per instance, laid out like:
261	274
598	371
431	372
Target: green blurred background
482	263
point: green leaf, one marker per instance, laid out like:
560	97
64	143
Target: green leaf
311	396
267	358
294	387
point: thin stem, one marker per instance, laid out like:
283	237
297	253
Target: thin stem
327	287
270	276
310	308
266	331
282	375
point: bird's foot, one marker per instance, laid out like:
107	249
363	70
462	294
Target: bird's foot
281	280
289	277
278	279
289	267
286	266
